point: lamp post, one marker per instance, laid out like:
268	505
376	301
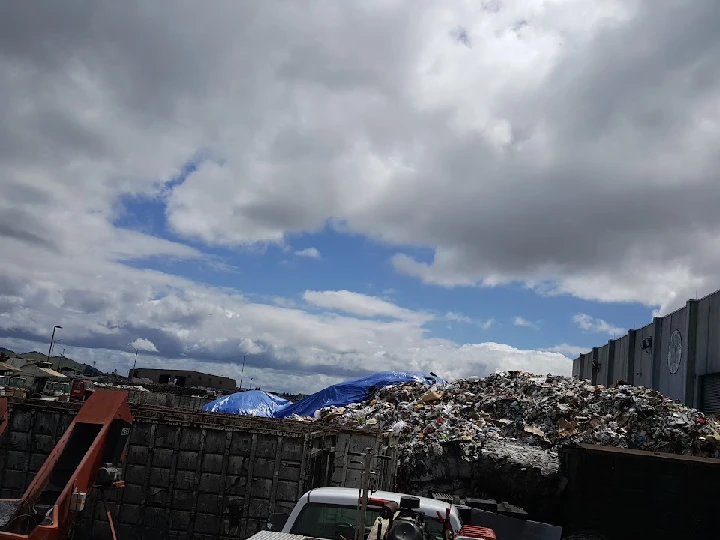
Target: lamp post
132	376
62	357
242	371
52	340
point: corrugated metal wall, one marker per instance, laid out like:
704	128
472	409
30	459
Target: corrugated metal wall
670	377
621	371
584	366
605	365
643	358
672	354
707	335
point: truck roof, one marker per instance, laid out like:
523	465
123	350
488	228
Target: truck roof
334	494
349	497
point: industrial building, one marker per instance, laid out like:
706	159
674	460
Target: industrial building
184	378
678	355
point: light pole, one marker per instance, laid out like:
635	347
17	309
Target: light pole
241	373
52	339
62	357
132	376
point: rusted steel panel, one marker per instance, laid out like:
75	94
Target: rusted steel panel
3	414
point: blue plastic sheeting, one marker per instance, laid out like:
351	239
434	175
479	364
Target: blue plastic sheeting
354	391
250	403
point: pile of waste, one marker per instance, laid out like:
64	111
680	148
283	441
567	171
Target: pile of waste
515	421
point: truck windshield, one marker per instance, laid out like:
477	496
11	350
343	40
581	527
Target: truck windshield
331	521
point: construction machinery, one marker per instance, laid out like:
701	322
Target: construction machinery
87	456
81	389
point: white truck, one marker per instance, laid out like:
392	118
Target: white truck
337	513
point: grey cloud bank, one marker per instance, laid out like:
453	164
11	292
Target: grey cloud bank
576	153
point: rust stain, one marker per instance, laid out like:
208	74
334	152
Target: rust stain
3	414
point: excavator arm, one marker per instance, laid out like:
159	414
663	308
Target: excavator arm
88	455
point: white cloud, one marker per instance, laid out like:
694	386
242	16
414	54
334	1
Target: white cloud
571	351
284	302
310	253
362	305
362	119
142	344
590	324
519	321
485	324
210	329
457	317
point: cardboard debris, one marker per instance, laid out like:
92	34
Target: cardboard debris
432	396
534	431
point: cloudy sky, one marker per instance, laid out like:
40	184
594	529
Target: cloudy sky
335	188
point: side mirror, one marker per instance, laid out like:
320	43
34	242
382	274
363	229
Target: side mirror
276	522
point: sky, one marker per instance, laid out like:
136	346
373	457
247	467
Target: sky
331	189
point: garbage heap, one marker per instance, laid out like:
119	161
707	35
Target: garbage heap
498	436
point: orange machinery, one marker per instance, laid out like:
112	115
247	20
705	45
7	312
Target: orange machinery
87	456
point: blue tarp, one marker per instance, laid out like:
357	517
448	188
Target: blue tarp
347	392
250	403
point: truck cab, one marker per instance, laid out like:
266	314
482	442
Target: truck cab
81	389
332	512
57	390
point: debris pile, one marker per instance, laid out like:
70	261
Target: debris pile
515	421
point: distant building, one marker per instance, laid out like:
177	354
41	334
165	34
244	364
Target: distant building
17	362
183	378
7	369
42	370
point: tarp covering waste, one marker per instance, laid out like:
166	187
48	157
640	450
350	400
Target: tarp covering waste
250	403
348	392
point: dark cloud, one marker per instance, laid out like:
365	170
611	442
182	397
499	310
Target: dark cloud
85	301
20	225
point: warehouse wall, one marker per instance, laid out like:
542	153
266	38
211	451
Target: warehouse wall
669	383
622	360
643	358
605	364
583	367
677	371
707	335
197	475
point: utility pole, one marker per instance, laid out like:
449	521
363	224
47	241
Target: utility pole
242	371
62	357
52	340
132	376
